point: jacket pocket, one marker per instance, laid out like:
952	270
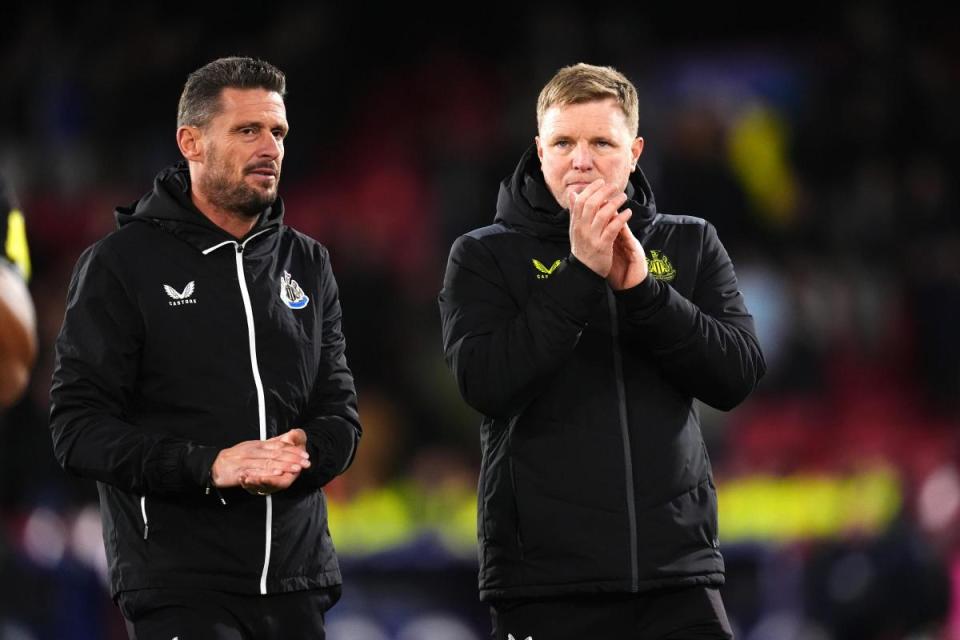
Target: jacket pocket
679	537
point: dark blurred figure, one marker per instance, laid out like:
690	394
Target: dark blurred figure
18	331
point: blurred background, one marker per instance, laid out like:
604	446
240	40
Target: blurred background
822	145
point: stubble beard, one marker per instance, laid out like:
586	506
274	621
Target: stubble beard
235	197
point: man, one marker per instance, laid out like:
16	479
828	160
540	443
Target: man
18	333
201	380
582	324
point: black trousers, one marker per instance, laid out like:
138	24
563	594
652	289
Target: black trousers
198	614
693	613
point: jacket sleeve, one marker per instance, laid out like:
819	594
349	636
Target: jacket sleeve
706	346
331	421
499	350
95	372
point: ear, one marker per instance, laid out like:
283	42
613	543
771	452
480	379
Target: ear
190	141
635	150
536	139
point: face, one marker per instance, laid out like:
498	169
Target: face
579	143
242	151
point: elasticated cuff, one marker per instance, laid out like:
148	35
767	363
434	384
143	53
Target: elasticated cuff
576	288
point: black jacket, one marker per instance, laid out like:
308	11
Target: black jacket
155	373
594	476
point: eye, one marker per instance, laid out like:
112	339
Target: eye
279	134
562	144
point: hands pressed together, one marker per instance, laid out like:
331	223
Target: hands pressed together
601	239
263	467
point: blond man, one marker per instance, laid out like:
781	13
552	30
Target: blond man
582	325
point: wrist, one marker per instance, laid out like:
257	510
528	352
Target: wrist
583	267
211	486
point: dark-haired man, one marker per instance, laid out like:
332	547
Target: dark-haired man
201	380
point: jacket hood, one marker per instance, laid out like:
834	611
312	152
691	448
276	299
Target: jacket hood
525	202
169	206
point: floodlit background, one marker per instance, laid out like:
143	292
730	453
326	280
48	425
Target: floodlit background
821	144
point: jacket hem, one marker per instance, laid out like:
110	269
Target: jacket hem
488	594
229	584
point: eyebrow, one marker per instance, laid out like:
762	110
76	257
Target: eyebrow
257	124
563	136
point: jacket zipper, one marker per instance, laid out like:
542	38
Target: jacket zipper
143	512
516	505
261	403
625	432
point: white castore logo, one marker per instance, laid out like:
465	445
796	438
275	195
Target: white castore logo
178	298
510	637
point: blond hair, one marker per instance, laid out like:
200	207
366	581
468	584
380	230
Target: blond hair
585	83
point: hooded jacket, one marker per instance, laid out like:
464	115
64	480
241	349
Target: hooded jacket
179	341
594	476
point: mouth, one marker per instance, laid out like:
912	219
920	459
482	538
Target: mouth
263	172
578	186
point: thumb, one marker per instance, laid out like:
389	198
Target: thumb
631	240
296	437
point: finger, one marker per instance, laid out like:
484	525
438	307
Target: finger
291	457
600	203
277	466
280	480
275	449
295	437
290	461
608	210
265	485
629	240
606	193
250	485
576	208
275	443
591	204
296	443
615	226
256	480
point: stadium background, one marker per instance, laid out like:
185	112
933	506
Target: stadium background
821	144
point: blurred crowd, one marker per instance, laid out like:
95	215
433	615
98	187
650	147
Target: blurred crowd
822	150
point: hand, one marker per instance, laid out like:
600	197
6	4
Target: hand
263	466
629	267
595	224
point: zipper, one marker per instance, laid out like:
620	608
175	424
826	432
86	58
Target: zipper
261	403
143	512
516	505
625	432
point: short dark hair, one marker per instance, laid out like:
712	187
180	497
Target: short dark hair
200	100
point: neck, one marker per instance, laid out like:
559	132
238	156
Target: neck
236	224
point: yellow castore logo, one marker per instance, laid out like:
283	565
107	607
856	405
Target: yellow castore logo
544	272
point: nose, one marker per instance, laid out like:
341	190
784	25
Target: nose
270	146
582	156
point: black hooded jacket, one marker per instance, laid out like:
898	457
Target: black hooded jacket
594	475
180	341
